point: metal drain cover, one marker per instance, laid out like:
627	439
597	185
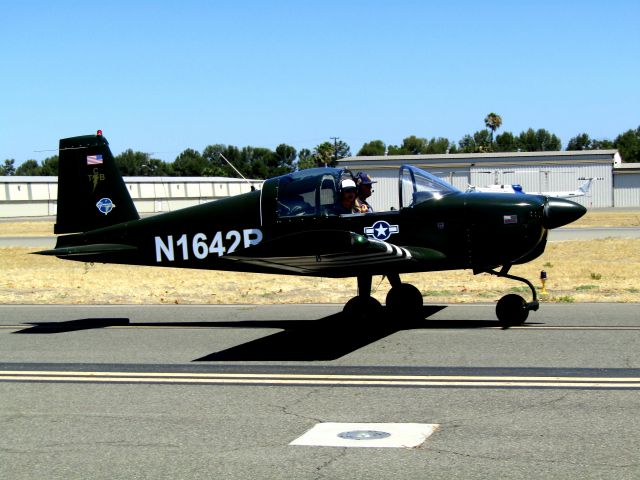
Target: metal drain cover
364	435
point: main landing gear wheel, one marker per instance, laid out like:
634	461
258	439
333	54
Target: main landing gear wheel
512	310
405	299
362	308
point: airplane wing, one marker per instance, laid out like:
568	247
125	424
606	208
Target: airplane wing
331	253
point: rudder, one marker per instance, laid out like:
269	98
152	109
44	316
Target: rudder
91	191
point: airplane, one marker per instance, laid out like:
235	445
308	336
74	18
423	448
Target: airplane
517	188
288	227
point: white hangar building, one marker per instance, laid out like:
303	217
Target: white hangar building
38	196
613	185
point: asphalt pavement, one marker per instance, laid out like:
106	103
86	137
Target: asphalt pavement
222	391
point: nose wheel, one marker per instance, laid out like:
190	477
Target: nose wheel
512	309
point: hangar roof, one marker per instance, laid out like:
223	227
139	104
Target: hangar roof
485	159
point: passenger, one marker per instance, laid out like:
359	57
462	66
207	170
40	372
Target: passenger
347	202
364	191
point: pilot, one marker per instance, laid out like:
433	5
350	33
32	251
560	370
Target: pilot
364	191
347	202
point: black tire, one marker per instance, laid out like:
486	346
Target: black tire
512	310
362	308
405	299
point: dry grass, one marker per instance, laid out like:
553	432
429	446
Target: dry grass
580	271
607	218
26	229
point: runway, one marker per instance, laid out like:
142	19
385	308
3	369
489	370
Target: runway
222	391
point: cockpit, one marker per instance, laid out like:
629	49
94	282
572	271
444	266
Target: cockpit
315	192
309	192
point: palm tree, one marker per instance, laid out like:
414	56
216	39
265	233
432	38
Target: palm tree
493	121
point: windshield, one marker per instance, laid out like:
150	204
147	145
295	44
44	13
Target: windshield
418	186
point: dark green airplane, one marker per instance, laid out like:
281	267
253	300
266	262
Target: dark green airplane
291	226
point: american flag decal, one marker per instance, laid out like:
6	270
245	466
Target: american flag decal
510	219
94	159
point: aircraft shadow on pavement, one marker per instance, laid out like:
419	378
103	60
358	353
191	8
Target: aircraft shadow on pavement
327	338
73	325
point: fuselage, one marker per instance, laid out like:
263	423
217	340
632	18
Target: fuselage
468	230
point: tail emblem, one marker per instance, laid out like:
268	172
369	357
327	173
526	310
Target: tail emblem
105	205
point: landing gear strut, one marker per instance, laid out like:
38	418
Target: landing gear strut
364	305
512	309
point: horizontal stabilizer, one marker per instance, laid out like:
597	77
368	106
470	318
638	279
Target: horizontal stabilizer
95	249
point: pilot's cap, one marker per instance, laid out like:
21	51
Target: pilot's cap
365	179
347	184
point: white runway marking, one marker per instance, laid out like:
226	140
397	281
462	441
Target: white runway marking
368	435
329	380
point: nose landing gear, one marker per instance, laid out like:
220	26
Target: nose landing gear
512	309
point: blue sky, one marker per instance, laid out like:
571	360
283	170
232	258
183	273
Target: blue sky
161	77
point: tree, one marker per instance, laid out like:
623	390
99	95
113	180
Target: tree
628	144
483	140
341	150
189	164
29	168
538	141
132	163
479	142
505	142
285	156
305	159
50	166
467	144
324	155
8	168
547	141
421	146
440	145
411	145
261	162
493	122
374	147
579	142
216	166
602	145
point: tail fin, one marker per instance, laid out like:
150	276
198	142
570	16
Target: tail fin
584	188
91	192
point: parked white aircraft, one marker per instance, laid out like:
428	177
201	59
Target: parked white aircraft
517	188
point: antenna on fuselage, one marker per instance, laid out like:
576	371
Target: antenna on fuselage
237	171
